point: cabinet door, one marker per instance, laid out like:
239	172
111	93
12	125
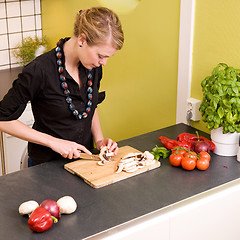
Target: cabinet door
13	150
0	161
213	216
15	147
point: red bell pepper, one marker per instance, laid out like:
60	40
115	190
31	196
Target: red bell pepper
190	138
40	220
171	144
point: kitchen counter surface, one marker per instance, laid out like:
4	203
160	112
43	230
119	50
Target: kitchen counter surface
104	208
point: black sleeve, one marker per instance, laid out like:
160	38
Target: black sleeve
101	95
25	88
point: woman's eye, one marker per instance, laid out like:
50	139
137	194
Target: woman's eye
99	56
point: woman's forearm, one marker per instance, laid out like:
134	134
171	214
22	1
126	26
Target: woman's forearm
67	149
24	132
96	128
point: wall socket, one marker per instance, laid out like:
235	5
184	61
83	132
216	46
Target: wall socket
193	107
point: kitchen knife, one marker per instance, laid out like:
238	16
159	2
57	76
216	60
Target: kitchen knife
89	157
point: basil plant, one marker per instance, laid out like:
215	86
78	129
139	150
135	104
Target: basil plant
220	106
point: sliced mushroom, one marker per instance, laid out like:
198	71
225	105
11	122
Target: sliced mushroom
131	164
132	169
105	154
120	167
141	165
148	155
132	155
101	163
127	160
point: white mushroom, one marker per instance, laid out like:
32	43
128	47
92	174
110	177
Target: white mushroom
105	154
148	155
132	155
28	207
127	160
120	167
130	164
141	165
101	163
67	205
132	169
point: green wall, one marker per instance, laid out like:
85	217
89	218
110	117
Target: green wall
216	39
140	80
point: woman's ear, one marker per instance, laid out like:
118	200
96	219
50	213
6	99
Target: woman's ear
81	39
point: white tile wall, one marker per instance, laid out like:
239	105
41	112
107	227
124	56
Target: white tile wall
38	6
3	26
29	34
3	42
14	39
13	9
2	10
38	22
27	8
28	23
18	19
14	24
4	57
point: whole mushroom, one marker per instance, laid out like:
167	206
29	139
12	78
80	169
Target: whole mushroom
67	205
27	207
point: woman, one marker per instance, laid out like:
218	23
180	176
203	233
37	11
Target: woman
62	86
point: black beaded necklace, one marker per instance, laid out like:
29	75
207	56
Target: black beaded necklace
65	86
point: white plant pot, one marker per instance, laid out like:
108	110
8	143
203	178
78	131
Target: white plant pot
226	144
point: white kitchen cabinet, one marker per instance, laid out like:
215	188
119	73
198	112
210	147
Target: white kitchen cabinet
1	162
214	214
14	148
152	227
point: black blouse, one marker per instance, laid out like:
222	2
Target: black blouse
39	83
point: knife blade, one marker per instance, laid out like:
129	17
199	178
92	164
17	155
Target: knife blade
89	157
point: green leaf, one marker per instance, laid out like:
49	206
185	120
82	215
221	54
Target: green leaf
229	117
231	129
220	112
233	100
210	125
226	103
235	89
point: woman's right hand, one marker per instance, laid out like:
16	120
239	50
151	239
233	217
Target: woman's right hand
68	149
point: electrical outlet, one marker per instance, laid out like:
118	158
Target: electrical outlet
193	106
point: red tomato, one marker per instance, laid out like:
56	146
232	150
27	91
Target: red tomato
188	163
202	163
192	155
175	159
182	151
205	155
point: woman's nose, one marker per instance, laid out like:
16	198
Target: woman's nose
103	61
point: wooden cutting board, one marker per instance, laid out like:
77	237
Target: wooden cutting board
99	176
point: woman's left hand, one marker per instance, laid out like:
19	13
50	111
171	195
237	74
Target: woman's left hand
111	145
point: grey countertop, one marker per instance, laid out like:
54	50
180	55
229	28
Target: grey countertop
107	207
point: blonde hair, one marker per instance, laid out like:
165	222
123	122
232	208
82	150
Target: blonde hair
98	24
